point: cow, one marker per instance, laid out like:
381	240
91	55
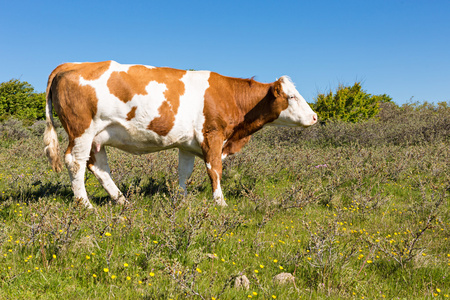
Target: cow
142	109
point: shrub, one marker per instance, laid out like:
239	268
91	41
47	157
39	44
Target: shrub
13	129
350	104
18	99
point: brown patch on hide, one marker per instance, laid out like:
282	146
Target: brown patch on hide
125	85
132	113
76	105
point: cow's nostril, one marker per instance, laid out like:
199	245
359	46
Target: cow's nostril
314	118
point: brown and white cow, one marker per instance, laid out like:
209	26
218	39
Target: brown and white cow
142	109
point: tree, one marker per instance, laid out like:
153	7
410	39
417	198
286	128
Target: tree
18	99
350	104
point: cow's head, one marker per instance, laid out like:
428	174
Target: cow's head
296	111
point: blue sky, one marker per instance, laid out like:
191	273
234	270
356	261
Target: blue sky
401	48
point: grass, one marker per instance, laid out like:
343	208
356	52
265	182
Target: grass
350	218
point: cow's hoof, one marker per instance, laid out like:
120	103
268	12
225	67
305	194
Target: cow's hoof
84	202
221	202
122	200
88	205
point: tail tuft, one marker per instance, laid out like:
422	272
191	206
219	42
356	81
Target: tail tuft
52	147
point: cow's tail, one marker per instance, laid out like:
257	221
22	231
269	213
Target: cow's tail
50	137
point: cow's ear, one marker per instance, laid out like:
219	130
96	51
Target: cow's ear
277	89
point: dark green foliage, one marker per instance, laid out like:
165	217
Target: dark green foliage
350	104
18	99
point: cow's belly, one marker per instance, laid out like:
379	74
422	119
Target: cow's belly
141	140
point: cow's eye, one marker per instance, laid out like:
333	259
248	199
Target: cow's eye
292	97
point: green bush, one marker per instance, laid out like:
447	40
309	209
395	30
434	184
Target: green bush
349	104
18	99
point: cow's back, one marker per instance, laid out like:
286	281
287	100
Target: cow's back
131	106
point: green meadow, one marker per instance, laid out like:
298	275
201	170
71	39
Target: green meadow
351	210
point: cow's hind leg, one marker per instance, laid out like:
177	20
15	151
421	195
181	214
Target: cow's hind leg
185	168
75	158
98	165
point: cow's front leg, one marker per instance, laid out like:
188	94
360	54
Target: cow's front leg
212	153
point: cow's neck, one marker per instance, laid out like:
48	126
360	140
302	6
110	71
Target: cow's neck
256	103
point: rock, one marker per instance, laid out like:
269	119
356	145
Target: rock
242	282
283	278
